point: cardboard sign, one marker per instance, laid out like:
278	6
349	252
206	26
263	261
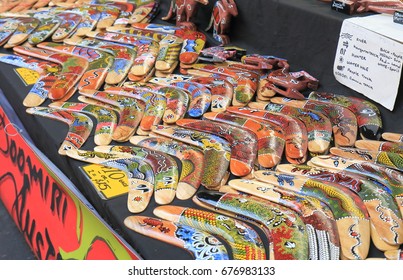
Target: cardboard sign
109	182
369	57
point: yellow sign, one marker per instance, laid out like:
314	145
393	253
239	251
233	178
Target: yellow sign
29	76
109	182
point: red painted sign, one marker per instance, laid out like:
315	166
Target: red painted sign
55	222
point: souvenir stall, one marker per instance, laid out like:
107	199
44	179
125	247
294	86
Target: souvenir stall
180	130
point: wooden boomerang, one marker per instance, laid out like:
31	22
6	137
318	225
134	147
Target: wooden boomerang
390	178
368	115
177	102
41	66
123	57
169	45
106	119
243	143
154	110
147	50
193	41
26	25
216	152
202	245
269	142
131	111
294	131
392	137
386	159
244	241
386	220
7	28
221	90
47	26
381	146
351	215
89	20
323	237
283	227
73	67
80	126
245	87
99	63
344	122
69	23
165	169
139	173
200	95
192	160
318	126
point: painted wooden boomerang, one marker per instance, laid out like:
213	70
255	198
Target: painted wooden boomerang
381	146
390	178
386	159
246	85
80	126
177	103
154	110
90	18
244	241
269	142
123	57
147	50
283	228
131	111
73	67
202	245
294	131
193	41
169	45
217	152
109	15
191	157
139	173
145	12
323	237
318	126
200	95
126	11
344	122
99	63
368	115
386	220
41	66
394	254
106	119
7	28
392	137
47	26
69	23
221	90
165	169
243	142
26	25
96	102
351	215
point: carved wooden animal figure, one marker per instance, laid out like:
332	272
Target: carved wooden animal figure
220	20
184	10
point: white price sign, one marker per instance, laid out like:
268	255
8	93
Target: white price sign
369	59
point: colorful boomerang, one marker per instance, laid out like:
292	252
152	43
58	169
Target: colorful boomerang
202	245
244	241
350	212
80	126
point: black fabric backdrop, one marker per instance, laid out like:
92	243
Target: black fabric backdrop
303	31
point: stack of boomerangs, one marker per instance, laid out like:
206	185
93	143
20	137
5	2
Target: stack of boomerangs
234	133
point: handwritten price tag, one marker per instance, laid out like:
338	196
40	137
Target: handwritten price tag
368	60
109	182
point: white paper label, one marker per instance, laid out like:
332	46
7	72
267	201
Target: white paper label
369	63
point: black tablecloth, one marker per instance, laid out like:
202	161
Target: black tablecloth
303	31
